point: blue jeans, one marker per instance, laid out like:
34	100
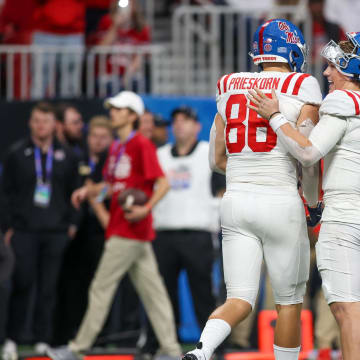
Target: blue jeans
57	73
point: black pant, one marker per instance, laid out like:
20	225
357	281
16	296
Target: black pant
38	258
80	262
192	251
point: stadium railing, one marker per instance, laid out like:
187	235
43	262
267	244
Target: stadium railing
207	42
210	41
33	72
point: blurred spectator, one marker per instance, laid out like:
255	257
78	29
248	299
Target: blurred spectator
39	176
16	22
345	13
323	30
16	26
131	163
58	23
154	127
122	26
83	254
186	215
160	133
147	124
70	128
95	10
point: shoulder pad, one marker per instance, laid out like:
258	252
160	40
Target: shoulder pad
222	85
341	103
309	91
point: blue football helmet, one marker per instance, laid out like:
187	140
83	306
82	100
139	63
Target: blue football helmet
346	63
279	40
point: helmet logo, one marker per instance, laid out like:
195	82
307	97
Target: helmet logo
292	38
283	26
267	47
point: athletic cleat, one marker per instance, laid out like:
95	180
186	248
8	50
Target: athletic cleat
61	353
9	350
196	354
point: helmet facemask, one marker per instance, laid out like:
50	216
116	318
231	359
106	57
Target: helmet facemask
344	62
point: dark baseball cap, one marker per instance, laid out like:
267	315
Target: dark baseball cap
185	110
159	121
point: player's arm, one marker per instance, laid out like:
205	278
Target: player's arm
308	118
217	151
308	151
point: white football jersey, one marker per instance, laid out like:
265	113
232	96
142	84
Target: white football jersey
254	153
341	182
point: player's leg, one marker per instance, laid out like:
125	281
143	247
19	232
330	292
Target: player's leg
287	256
347	316
338	261
242	263
242	259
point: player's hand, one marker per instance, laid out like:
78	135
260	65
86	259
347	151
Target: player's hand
136	213
72	230
8	235
314	214
78	196
264	105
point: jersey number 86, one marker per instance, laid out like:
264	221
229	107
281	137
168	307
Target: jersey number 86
236	113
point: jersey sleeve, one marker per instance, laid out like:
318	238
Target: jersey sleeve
327	133
220	92
309	91
340	103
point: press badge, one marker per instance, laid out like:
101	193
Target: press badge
42	195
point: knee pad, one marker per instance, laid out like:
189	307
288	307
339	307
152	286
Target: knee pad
248	295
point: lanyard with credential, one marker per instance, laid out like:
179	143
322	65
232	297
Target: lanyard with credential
42	194
109	176
120	150
48	166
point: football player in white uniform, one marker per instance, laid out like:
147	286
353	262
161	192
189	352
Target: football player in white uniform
336	138
262	215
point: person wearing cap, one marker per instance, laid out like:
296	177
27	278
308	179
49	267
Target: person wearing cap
185	218
131	163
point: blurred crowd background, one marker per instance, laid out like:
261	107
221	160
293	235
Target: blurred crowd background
71	54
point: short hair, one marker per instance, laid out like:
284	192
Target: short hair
44	107
61	108
346	46
100	121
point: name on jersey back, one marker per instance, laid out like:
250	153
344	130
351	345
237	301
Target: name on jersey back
245	83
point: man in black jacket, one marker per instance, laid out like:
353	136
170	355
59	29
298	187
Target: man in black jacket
39	176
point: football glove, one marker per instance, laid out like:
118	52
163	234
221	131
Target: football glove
314	214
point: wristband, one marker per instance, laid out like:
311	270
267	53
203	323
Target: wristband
274	113
278	121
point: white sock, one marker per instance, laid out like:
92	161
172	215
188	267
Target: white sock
286	353
214	333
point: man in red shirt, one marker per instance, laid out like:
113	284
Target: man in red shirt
131	163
